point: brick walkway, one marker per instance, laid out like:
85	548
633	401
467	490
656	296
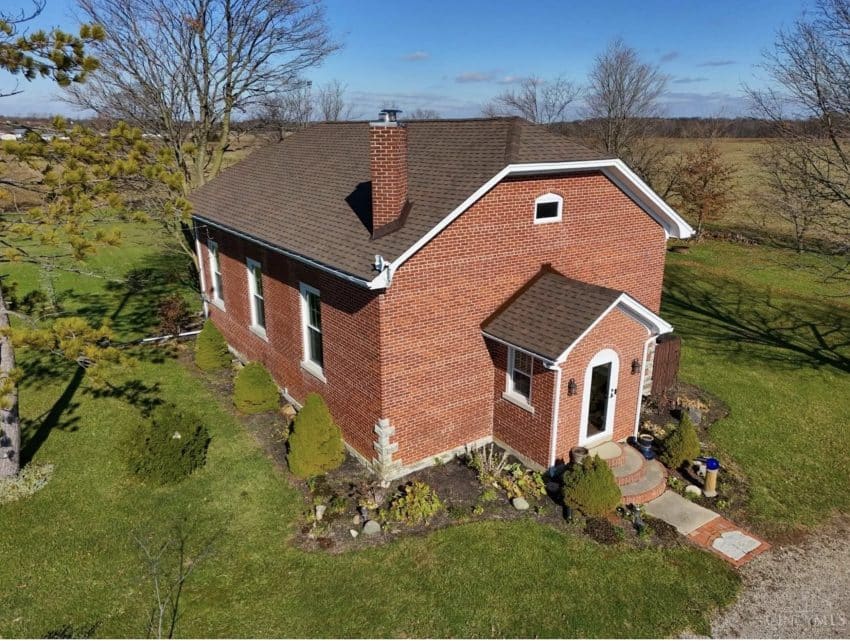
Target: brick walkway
728	541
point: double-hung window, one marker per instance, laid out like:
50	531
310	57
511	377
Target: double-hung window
311	327
520	367
215	271
255	293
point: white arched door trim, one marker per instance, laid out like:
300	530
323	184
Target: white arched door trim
602	357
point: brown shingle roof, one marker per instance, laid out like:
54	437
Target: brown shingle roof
549	313
310	193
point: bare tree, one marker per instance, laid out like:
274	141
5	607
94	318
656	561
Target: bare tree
810	112
183	67
286	110
169	558
540	101
705	184
790	195
423	114
331	104
622	100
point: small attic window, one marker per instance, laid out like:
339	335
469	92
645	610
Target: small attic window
548	208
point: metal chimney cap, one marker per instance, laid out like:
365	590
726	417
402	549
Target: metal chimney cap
389	115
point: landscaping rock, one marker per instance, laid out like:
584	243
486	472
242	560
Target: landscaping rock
356	520
695	415
371	527
520	503
288	412
354	533
320	511
693	490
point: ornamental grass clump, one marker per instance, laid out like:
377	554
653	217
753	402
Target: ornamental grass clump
168	448
315	443
254	390
682	444
211	349
591	487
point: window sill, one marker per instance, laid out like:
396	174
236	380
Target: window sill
519	401
546	221
259	331
218	304
314	370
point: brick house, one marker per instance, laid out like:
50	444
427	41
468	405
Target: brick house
442	284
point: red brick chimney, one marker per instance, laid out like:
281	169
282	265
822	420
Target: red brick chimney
388	164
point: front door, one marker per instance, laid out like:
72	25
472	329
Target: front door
600	397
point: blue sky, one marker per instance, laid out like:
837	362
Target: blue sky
452	56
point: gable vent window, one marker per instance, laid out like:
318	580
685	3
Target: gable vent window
548	208
258	301
215	270
518	384
311	326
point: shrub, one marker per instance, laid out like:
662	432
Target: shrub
416	503
315	444
591	487
27	482
518	481
173	314
211	349
487	462
254	390
681	445
169	447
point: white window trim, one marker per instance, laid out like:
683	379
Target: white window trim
602	357
512	395
307	363
215	266
549	198
250	264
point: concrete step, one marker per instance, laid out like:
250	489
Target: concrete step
632	469
651	486
610	452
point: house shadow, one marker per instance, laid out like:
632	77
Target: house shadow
742	321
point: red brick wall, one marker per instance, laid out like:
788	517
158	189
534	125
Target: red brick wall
626	337
437	372
515	426
388	164
350	318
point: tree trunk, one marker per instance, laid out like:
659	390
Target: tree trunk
10	425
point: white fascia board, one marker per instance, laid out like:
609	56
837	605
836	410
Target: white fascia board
548	363
615	169
381	281
654	324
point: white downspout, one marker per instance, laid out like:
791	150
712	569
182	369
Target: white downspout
556	411
200	256
642	381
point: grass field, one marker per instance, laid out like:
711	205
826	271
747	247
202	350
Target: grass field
763	330
70	560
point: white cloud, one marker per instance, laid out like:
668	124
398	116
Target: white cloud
474	76
417	55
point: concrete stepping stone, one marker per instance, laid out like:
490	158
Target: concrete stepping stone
686	516
735	544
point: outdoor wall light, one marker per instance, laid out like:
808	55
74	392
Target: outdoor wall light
635	366
571	387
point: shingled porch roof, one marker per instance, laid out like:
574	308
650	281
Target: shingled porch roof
551	313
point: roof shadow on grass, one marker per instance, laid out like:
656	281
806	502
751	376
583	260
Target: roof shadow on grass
785	331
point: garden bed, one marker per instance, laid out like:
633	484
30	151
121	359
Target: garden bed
462	495
732	487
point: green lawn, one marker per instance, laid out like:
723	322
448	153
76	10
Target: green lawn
764	331
69	558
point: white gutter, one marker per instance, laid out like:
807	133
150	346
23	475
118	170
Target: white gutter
200	256
547	362
556	411
381	281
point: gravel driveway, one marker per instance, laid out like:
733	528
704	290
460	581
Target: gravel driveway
796	591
